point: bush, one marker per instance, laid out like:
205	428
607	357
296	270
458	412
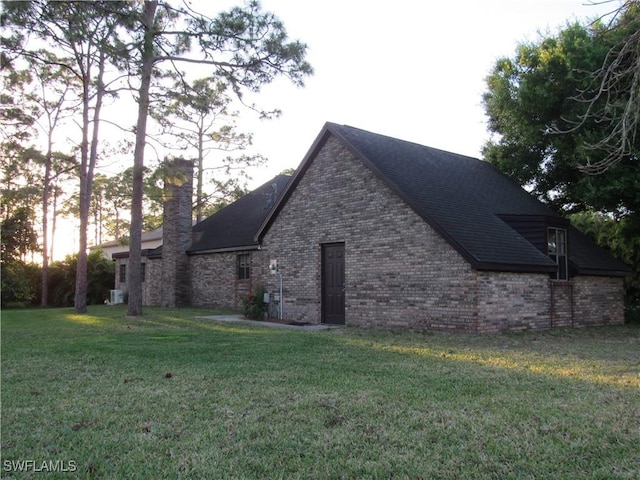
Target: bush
22	287
62	280
17	290
632	312
253	306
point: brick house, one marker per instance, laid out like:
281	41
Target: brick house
213	263
376	231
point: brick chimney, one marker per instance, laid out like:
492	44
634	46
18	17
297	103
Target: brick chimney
176	232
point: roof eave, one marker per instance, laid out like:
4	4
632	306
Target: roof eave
513	267
602	272
224	249
144	252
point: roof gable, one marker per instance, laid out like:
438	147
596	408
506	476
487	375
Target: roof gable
464	199
459	196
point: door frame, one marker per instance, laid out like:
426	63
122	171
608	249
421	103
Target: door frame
340	318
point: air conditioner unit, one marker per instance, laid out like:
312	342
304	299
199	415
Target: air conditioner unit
116	297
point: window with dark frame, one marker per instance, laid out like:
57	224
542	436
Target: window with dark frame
557	248
243	266
122	274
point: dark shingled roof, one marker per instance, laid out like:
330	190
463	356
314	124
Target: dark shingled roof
235	226
462	198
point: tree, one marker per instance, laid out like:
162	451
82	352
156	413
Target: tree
17	117
18	235
100	274
52	91
197	118
612	97
243	47
146	63
226	191
33	100
531	98
85	37
17	238
111	203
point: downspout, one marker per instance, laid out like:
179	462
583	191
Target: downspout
551	307
476	305
572	307
281	298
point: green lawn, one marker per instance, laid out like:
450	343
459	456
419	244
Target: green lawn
174	396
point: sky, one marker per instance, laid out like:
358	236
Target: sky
411	69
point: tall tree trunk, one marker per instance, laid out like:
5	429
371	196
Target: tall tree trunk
93	155
117	227
87	168
54	213
44	301
80	299
134	270
200	180
100	223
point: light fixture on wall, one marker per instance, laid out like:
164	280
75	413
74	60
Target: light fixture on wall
274	268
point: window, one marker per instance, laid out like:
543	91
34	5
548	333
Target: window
243	266
557	248
122	274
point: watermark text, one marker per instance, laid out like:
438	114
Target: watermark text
39	466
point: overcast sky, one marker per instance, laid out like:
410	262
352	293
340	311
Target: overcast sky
412	69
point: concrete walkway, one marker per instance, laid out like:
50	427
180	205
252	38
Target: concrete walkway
241	319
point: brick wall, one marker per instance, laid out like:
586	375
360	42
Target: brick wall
598	301
152	287
214	278
398	271
513	301
176	233
561	293
152	283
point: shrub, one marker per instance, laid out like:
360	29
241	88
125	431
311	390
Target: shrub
253	306
17	290
632	312
62	280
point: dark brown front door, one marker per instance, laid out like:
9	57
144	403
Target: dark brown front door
333	283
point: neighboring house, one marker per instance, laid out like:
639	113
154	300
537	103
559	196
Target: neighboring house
376	231
150	240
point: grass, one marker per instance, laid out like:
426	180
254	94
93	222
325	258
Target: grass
171	395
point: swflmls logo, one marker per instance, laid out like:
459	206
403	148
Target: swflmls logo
44	466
